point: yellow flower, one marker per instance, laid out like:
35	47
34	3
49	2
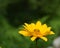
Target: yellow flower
36	31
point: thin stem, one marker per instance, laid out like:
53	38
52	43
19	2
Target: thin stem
36	43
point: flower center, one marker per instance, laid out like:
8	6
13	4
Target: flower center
36	30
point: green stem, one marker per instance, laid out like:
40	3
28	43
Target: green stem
36	43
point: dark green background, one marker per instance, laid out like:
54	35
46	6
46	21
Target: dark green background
14	13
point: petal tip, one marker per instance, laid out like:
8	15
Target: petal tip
33	38
52	32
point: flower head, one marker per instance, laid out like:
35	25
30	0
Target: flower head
36	31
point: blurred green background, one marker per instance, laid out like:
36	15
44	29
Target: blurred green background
14	13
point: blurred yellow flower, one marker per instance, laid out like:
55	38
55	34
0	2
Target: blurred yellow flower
36	31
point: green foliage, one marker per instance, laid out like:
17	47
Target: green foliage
14	13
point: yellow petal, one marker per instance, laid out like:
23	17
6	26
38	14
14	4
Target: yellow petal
38	24
52	32
47	31
49	28
44	38
33	38
24	33
26	24
29	27
43	28
32	27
